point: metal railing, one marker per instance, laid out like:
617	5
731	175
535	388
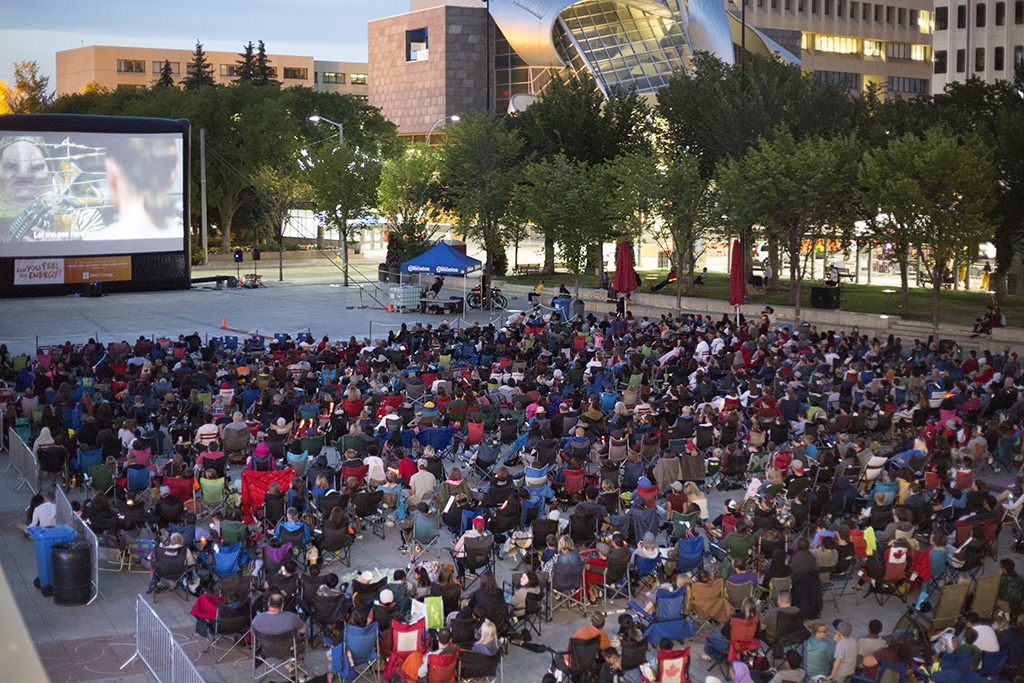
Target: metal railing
65	515
23	461
156	647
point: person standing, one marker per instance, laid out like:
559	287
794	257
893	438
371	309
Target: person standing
846	652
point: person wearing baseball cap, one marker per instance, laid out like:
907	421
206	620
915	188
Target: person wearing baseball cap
476	530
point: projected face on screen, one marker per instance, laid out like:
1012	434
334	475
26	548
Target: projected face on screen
75	193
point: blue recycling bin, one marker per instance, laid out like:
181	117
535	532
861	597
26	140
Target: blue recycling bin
562	304
45	538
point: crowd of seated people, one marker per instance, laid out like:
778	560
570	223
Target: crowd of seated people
578	450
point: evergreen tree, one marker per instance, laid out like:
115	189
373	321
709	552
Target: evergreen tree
201	70
246	69
166	79
263	73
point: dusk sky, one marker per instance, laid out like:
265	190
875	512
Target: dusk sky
332	30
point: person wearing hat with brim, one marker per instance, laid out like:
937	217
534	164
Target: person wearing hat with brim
421	484
477	529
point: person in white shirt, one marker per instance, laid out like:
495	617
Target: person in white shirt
45	514
422	483
987	640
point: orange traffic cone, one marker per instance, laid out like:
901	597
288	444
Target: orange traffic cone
224	323
390	309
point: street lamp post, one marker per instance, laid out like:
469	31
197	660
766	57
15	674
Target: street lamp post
316	118
454	118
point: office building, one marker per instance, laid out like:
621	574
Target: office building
982	39
138	67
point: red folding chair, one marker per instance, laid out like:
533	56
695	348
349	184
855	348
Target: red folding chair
358	472
674	666
405	639
442	668
743	637
963	480
182	487
474	433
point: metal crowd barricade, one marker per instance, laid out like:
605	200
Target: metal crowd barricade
65	515
23	461
156	647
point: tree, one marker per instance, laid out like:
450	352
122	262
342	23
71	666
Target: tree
263	73
477	162
796	191
574	120
684	196
30	92
409	195
279	192
343	181
166	79
245	69
200	72
936	193
568	200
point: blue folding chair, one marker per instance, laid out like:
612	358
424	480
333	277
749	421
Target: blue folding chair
227	559
87	459
441	438
356	655
689	554
646	566
668	620
231	343
536	482
532	509
138	479
72	417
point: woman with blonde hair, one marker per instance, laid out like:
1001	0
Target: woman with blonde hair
487	643
695	496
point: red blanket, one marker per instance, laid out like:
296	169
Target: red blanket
255	485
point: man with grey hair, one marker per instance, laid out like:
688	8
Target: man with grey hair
846	652
422	483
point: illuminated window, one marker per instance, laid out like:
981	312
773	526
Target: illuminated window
159	66
925	20
131	66
333	78
357	79
920	53
295	73
873	48
838	44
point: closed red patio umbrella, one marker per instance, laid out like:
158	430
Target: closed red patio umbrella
736	283
625	274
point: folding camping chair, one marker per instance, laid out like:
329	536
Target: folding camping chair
232	623
669	619
567	585
282	648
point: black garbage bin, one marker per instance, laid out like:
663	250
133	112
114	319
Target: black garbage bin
382	272
72	572
396	275
579	309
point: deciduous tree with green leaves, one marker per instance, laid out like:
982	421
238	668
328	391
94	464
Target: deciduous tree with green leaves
936	192
684	196
30	94
409	194
569	200
478	161
279	192
796	191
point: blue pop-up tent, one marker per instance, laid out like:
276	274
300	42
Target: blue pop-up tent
443	259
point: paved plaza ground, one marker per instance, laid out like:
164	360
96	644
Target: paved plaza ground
91	642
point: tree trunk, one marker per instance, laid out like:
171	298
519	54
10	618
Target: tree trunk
319	236
691	265
775	261
997	283
280	253
904	261
344	244
679	279
936	291
549	255
576	284
225	230
795	281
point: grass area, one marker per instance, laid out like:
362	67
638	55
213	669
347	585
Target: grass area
955	306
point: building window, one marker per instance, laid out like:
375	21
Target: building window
295	73
333	78
828	8
814	6
878	14
131	66
901	16
979	59
416	45
357	79
840	9
159	66
854	10
841	78
888	15
913	86
979	15
1018	54
961	61
1018	12
940	61
1000	14
895	50
229	70
942	18
872	48
840	44
924	21
961	16
998	58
